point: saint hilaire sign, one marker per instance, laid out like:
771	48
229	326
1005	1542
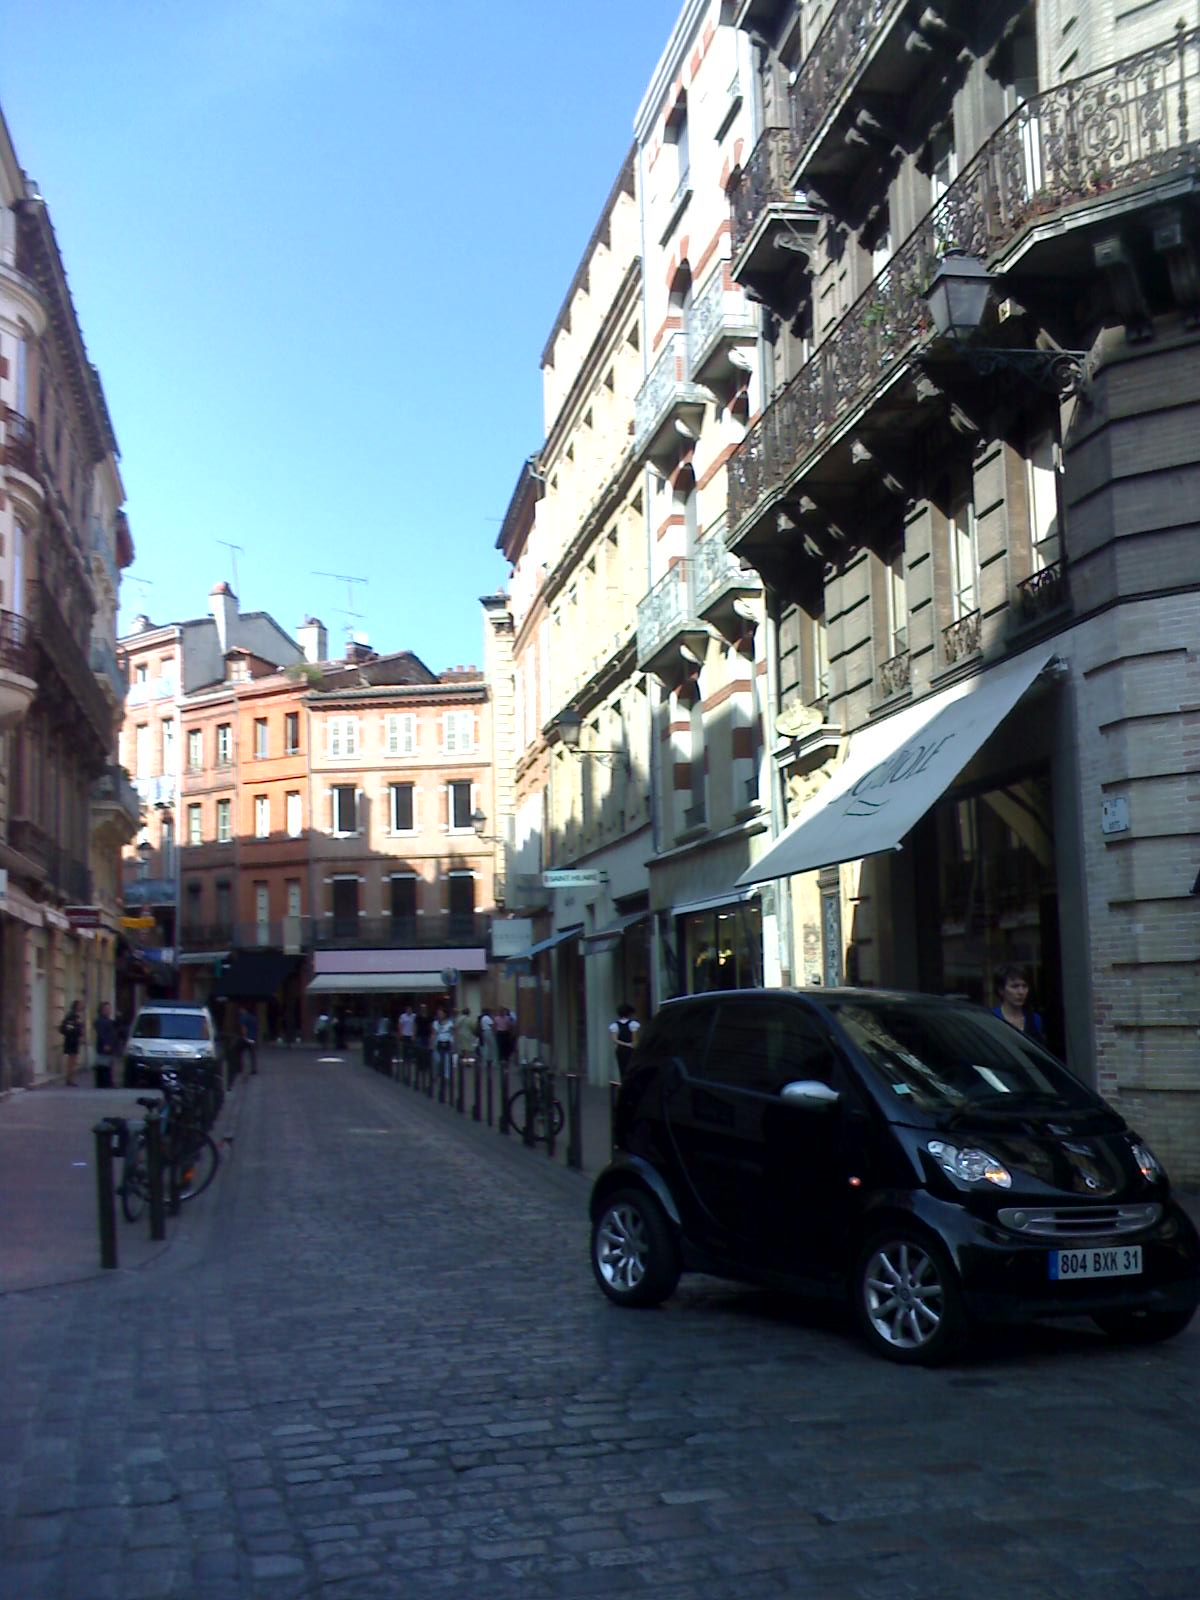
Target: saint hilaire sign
895	769
573	878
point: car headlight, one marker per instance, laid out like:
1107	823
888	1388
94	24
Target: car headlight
969	1166
1150	1166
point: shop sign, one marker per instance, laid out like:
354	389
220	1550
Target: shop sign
511	937
139	922
83	916
574	878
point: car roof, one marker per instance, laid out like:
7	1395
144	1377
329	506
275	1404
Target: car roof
173	1005
819	994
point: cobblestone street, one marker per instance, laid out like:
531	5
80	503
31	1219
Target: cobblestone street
373	1363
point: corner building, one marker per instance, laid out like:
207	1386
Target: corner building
970	542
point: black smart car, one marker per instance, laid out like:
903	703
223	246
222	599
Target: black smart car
916	1153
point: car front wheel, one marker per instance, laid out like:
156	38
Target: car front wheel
907	1299
634	1256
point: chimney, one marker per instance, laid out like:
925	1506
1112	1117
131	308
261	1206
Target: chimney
313	640
222	602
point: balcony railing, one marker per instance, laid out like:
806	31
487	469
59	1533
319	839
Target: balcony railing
764	181
115	788
894	675
20	443
16	645
150	689
104	664
717	571
667	611
839	52
666	386
716	310
65	654
206	935
961	638
1124	124
429	930
1043	593
157	791
33	843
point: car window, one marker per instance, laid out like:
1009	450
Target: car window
171	1025
947	1058
677	1031
762	1046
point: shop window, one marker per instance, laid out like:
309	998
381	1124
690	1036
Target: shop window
722	948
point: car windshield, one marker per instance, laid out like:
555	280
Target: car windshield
947	1059
171	1025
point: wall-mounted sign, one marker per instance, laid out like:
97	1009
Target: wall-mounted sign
574	878
138	922
510	937
83	916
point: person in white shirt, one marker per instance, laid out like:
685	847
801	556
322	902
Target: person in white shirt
487	1037
624	1036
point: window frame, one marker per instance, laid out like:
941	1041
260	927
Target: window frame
336	791
262	809
262	738
224	820
394	790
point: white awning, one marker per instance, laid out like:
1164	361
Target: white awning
377	983
714	902
607	939
895	770
560	937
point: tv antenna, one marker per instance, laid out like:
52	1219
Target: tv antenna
235	550
349	611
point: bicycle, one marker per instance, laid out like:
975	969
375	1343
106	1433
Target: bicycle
186	1146
547	1120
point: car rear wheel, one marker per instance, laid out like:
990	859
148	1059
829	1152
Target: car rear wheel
907	1299
634	1256
1142	1327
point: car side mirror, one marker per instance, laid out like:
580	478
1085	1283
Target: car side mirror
810	1092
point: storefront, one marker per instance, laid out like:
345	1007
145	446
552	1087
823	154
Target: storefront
719	944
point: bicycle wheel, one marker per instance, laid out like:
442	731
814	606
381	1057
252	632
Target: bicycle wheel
516	1110
540	1120
197	1166
135	1186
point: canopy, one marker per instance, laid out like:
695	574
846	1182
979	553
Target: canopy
377	983
548	944
894	771
607	939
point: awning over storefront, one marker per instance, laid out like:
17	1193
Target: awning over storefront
375	983
714	902
606	939
560	937
254	975
895	770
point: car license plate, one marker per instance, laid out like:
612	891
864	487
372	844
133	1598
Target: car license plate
1121	1261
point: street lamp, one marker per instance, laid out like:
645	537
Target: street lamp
957	296
569	725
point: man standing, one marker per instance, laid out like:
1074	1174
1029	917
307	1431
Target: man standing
248	1029
71	1028
408	1037
106	1046
624	1033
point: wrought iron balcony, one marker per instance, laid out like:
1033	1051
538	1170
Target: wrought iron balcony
894	675
718	576
1043	593
719	319
667	617
430	930
772	223
1121	126
64	655
667	397
20	443
197	936
104	664
115	800
17	668
961	638
25	836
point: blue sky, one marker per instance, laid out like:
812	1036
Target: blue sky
316	247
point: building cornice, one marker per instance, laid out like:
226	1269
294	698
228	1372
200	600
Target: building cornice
606	341
625	184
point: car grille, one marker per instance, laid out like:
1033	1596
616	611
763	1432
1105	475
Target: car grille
1078	1222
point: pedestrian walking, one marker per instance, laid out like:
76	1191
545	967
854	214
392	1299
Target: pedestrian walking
423	1045
322	1030
408	1037
71	1028
106	1038
466	1040
504	1031
1012	1001
487	1037
248	1035
443	1038
624	1031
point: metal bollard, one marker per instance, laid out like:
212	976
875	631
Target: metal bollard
460	1068
574	1123
487	1069
173	1199
440	1069
614	1090
477	1108
503	1095
548	1091
528	1078
105	1134
154	1174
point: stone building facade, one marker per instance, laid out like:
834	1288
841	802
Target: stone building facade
930	507
64	807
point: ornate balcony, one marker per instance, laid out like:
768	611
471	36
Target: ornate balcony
64	657
116	805
1056	157
894	675
666	619
1043	593
869	55
430	930
773	226
667	397
20	443
961	638
17	657
719	578
104	664
720	320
